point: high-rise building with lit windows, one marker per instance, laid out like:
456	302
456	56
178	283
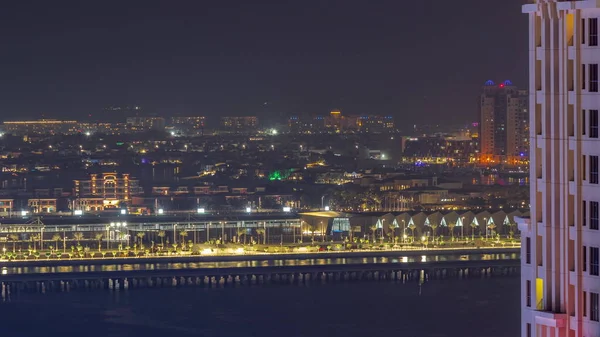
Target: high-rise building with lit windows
504	124
561	240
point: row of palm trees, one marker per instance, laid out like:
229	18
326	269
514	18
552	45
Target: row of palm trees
36	239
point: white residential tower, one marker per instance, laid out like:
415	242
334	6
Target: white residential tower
561	240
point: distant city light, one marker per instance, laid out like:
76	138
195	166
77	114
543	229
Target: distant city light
24	213
287	209
161	211
123	211
87	133
78	212
200	210
248	209
327	208
273	131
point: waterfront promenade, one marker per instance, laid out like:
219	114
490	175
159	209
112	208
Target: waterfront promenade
210	271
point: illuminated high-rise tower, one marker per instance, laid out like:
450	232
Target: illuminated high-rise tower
504	124
561	240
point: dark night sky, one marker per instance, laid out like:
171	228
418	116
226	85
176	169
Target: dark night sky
419	60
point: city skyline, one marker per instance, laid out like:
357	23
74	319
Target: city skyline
343	56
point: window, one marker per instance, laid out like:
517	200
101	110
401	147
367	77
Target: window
528	293
583	76
582	31
594	261
583	127
593	169
528	250
584	258
584	213
594	216
583	168
528	329
594	307
593	123
593	29
585	304
593	75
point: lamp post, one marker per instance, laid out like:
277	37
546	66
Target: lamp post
207	231
111	230
462	228
222	232
174	233
404	231
486	228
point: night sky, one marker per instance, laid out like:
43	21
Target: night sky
419	60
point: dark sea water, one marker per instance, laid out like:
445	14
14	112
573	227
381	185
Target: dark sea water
439	308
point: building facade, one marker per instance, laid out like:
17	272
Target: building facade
189	125
145	123
560	241
113	188
239	124
41	127
504	123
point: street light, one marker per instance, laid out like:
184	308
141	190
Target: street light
248	210
161	211
404	231
287	209
326	208
200	210
123	211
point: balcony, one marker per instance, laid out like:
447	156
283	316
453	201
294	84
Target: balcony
549	318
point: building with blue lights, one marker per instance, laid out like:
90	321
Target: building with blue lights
504	124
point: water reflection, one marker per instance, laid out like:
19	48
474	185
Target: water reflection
265	263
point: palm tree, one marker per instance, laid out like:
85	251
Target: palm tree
98	237
261	232
373	229
34	238
434	225
451	227
56	238
78	237
140	236
412	227
392	229
473	226
491	228
161	235
183	234
14	238
312	228
240	232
